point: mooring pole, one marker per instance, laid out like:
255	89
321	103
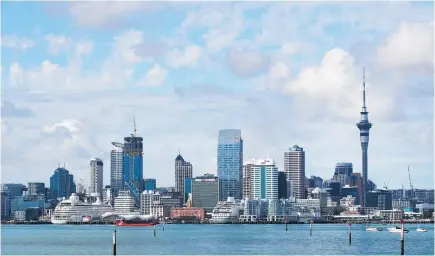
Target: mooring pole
402	238
350	233
154	230
311	228
286	228
114	242
163	225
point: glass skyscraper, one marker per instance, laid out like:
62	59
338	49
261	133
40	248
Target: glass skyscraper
62	183
116	170
133	166
230	164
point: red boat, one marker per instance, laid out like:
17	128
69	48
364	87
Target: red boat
135	222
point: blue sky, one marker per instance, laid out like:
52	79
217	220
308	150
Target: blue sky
74	75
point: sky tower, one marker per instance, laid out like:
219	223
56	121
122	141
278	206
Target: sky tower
364	127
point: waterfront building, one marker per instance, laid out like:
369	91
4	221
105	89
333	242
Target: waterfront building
205	192
187	189
264	183
294	167
5	206
424	195
116	169
36	188
364	127
150	184
170	200
230	164
380	199
96	188
124	202
255	210
247	177
401	204
282	185
342	172
147	199
133	165
20	215
62	183
227	211
276	210
183	170
188	213
157	210
355	180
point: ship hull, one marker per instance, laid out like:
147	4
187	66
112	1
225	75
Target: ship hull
135	224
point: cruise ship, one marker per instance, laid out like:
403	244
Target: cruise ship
227	211
74	210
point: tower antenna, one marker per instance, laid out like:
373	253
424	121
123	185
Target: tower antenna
179	152
364	91
134	127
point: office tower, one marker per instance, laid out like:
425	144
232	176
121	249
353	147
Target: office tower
230	164
355	180
62	183
183	170
133	165
247	177
294	167
187	189
116	169
205	192
13	189
282	185
5	198
342	172
380	199
315	182
96	177
264	183
36	188
150	184
364	127
146	201
334	188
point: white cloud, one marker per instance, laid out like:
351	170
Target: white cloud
246	62
124	46
155	76
15	42
189	56
71	124
16	74
411	45
58	43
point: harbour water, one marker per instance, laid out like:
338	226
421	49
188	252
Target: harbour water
193	239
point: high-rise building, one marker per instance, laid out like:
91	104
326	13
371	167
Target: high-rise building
355	180
364	127
315	182
116	169
14	189
294	167
230	164
62	183
342	172
247	177
150	184
96	177
282	185
205	192
36	188
264	183
183	170
187	189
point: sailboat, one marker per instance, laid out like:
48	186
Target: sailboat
420	229
397	229
373	229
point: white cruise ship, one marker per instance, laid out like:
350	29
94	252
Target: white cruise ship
73	209
227	211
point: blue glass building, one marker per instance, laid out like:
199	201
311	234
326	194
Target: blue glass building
187	188
150	184
133	166
62	183
230	164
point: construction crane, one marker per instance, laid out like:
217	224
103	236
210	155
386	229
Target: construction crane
410	184
388	183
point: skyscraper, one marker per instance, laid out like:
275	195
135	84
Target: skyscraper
62	183
96	177
342	172
247	177
36	188
264	182
355	180
364	127
230	164
183	170
116	169
294	167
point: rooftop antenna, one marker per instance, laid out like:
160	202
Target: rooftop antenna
58	164
63	165
179	151
134	127
364	91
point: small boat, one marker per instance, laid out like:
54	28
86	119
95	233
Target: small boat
397	230
373	229
420	229
135	221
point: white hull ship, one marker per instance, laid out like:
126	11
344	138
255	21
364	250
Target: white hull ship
226	211
397	230
73	210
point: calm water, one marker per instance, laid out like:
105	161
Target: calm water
211	239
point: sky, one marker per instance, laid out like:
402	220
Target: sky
75	75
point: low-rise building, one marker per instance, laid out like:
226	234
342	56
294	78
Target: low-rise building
20	215
188	213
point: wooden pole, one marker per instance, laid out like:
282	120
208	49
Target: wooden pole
154	230
311	228
350	233
286	227
114	242
402	238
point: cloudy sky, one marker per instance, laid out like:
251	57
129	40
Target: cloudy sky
75	74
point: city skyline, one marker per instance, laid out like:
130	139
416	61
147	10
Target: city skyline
71	85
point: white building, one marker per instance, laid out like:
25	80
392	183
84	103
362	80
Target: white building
20	215
264	179
96	177
157	210
150	202
116	169
124	203
294	167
